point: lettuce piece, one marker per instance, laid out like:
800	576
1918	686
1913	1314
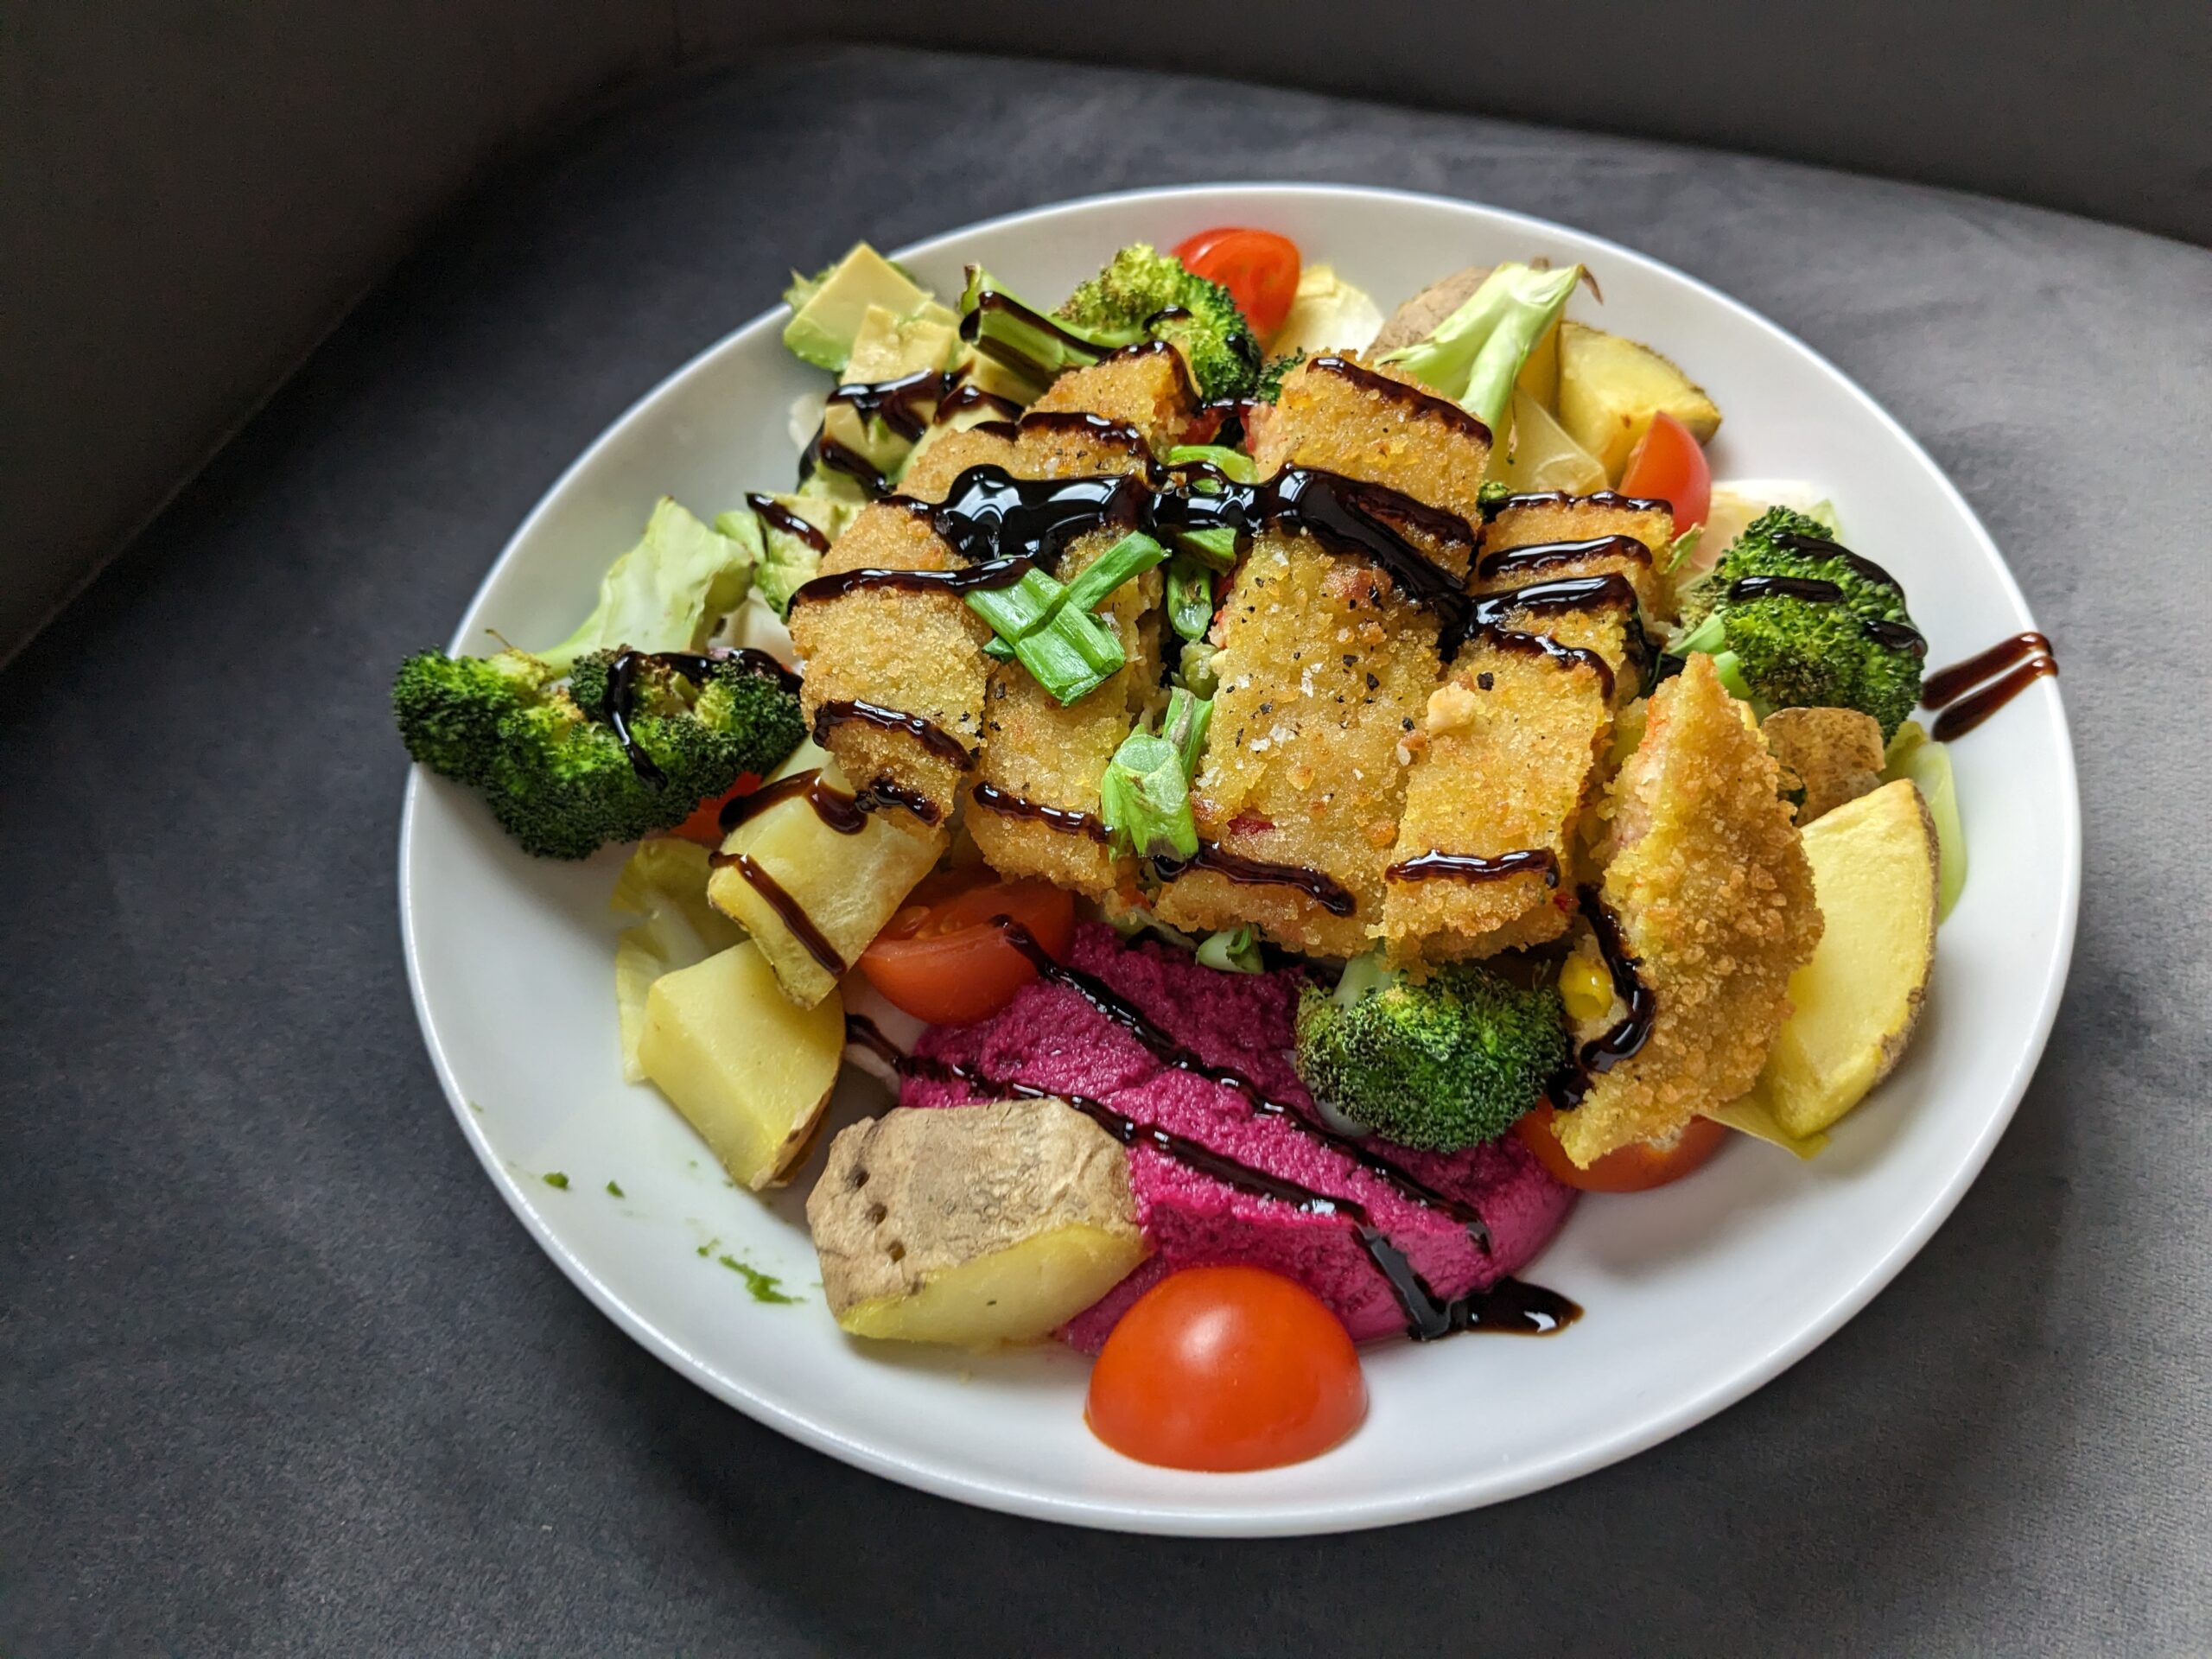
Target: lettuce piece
1232	951
1327	315
1145	797
665	594
1915	755
664	884
1474	355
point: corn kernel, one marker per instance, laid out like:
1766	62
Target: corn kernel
1586	990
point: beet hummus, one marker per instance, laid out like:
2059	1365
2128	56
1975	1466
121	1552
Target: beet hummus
1050	1036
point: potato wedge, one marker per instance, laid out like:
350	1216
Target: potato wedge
749	1068
972	1224
1856	1002
847	886
1610	387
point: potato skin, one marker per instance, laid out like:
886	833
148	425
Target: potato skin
912	1195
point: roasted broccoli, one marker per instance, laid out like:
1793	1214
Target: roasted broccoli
1441	1065
548	762
1139	294
1857	650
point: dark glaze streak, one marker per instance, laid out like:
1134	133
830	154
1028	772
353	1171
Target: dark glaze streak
889	791
932	737
1322	889
622	691
840	811
792	914
1161	348
1820	547
1625	1041
1508	1305
1811	589
1542	556
2010	667
963	399
1423	406
900	405
1485	620
1467	867
1612	498
1111	1005
780	516
1069	821
994	572
992	299
1118	434
988	514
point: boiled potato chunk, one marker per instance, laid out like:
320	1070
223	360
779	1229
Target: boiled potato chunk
750	1069
847	886
972	1224
1857	1000
1610	387
1541	456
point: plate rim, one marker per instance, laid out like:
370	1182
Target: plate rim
1299	1518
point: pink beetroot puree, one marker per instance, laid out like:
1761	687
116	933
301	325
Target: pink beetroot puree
1050	1036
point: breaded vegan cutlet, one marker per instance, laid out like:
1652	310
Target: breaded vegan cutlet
1714	901
1325	669
1036	751
1555	520
911	654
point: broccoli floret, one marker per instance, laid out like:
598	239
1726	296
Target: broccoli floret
554	772
1858	652
1442	1065
1125	303
1268	388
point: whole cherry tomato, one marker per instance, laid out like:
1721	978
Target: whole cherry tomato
1258	268
1226	1368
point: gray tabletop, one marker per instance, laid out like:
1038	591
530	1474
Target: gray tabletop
280	1375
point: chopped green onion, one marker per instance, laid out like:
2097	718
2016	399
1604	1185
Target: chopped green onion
1133	554
1145	797
1234	463
1190	597
1047	626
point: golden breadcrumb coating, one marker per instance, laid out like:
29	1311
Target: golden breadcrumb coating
1323	673
1829	756
912	653
1379	426
1512	742
1148	387
1530	521
1715	903
938	462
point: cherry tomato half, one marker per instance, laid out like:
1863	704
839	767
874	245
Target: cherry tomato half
1258	268
1631	1169
705	823
940	959
1223	1369
1668	463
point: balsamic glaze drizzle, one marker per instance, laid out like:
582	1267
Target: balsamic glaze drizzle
2009	667
780	516
1624	1040
1468	866
788	909
931	736
622	691
1069	821
1323	890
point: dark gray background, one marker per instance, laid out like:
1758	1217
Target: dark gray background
280	1375
197	190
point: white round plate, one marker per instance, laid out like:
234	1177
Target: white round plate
1695	1295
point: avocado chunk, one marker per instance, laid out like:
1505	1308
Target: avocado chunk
828	310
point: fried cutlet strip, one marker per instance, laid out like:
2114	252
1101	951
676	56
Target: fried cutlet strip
1512	738
911	654
1039	753
1378	425
1531	522
937	464
1323	670
1325	667
1147	386
1714	901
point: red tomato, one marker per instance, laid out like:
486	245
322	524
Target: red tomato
941	959
1631	1169
1669	463
705	823
1226	1368
1258	268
